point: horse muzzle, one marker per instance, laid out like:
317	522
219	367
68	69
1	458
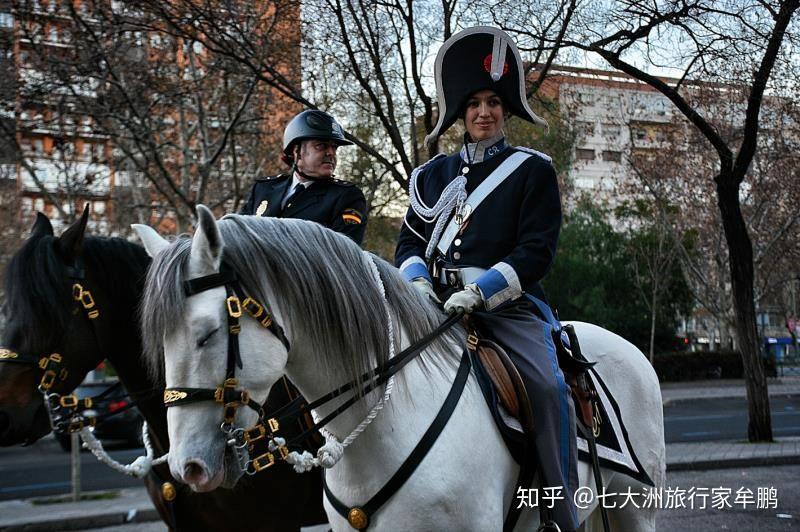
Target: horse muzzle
197	474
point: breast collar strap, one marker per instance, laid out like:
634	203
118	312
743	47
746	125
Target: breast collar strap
359	516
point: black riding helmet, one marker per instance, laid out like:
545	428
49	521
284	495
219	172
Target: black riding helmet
312	124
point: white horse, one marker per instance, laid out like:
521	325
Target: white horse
324	291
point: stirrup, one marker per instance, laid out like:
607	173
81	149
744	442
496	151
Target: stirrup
551	526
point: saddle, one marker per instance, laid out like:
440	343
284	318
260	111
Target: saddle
495	366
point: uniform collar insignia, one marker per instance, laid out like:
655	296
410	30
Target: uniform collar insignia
477	152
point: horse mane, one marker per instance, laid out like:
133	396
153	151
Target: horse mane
38	288
322	279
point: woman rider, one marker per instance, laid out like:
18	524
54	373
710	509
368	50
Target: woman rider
483	226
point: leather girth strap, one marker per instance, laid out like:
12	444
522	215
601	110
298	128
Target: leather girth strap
359	516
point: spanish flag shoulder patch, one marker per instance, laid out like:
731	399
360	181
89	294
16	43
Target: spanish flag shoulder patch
351	216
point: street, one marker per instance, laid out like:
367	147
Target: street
786	480
44	469
726	419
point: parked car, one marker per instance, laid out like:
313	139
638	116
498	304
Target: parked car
125	426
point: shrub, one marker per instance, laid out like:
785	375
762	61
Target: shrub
699	365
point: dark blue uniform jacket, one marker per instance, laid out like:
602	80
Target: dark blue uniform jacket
334	203
513	233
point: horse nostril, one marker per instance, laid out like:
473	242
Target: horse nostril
194	472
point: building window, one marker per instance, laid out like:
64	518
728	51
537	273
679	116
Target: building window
611	130
586	129
583	154
612	156
6	20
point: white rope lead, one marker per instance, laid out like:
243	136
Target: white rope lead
139	468
332	451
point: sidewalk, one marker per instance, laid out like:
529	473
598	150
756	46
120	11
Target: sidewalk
728	454
133	505
723	389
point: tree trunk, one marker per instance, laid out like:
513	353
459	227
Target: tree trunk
653	326
759	426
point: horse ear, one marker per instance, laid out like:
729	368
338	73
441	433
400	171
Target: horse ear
71	241
42	226
206	250
153	242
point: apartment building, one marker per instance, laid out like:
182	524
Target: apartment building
82	139
614	116
618	119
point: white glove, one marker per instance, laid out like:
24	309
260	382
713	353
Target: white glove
425	288
466	301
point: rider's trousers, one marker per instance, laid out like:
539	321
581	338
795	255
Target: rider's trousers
528	340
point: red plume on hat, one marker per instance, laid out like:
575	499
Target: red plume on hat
476	59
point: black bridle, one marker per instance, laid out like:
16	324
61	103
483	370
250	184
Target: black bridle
67	412
259	441
228	394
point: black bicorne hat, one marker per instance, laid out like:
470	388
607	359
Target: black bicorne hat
476	59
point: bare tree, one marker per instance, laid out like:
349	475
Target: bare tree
741	45
174	123
365	57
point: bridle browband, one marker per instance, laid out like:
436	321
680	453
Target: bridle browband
259	441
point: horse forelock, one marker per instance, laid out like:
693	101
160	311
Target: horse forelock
163	301
35	291
321	280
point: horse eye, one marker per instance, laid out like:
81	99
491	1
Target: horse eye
206	338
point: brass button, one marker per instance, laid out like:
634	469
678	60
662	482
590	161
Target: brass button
357	518
457	242
456	255
168	491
